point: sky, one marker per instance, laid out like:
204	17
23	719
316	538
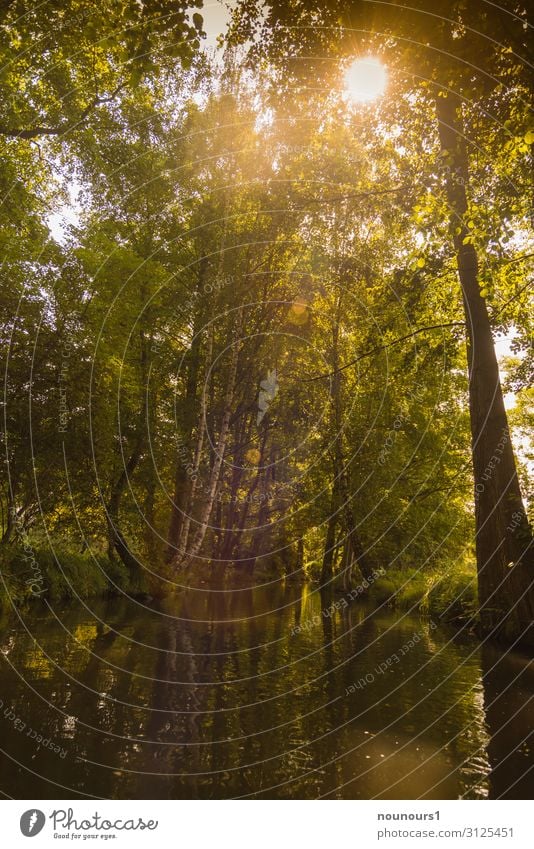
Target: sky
216	16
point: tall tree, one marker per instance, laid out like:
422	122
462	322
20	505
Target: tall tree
447	52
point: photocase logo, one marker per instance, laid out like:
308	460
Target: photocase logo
268	392
32	822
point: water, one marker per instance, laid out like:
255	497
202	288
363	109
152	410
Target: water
270	692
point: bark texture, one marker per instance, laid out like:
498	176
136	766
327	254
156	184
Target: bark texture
504	545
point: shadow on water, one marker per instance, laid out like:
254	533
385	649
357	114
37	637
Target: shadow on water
272	692
509	706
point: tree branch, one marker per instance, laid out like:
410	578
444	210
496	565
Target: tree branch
383	347
513	298
30	134
355	196
63	128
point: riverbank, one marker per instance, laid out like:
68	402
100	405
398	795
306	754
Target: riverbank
450	594
61	575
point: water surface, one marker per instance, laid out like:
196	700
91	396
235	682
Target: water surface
271	692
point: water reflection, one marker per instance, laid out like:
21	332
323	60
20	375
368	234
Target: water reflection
273	692
508	704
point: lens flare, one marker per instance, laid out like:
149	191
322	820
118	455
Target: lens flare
365	80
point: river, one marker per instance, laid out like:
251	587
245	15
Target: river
271	692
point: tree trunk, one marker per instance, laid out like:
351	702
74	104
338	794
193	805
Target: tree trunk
341	477
182	481
330	540
189	502
262	530
504	546
209	501
230	515
8	521
238	532
116	542
361	557
151	544
300	571
347	563
178	508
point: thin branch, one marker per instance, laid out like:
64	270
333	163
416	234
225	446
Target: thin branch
355	196
519	259
513	298
383	347
61	129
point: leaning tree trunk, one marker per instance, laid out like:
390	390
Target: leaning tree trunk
116	541
504	546
183	560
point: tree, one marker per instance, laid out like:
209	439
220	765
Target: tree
442	44
63	61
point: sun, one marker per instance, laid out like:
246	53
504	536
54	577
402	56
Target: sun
365	80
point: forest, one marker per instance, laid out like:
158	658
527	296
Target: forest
266	318
263	340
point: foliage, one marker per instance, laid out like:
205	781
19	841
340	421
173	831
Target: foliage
226	239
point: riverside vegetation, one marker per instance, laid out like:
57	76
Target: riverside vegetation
262	344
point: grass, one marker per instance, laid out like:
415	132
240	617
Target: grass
59	576
451	594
